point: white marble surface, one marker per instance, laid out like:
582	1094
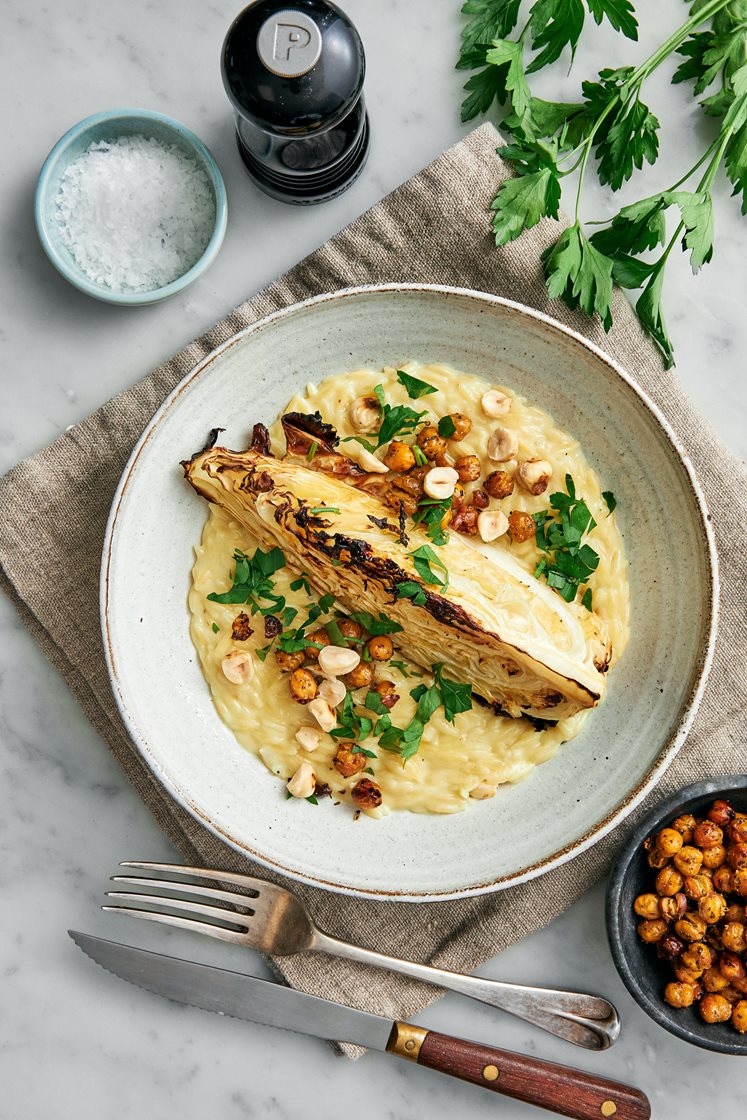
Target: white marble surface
74	1042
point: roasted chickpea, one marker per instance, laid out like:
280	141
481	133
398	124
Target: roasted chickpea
736	854
714	1009
688	859
480	499
319	638
457	498
678	994
468	468
711	907
349	628
387	690
734	937
685	825
670	947
430	442
464	520
732	994
521	526
723	879
399	456
691	928
462	426
348	762
652	930
657	859
289	661
380	647
739	1016
687	975
302	685
707	835
737	829
359	677
499	484
668	881
366	794
698	956
740	881
731	966
647	906
713	857
721	812
410	485
713	980
673	908
695	886
669	841
735	912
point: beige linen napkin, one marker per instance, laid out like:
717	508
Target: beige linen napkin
53	509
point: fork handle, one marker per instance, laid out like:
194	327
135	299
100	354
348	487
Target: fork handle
585	1020
560	1089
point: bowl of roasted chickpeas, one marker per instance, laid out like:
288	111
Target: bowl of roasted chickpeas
677	914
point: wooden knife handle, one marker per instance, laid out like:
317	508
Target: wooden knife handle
559	1089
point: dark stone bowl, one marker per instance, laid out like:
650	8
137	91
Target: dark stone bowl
641	970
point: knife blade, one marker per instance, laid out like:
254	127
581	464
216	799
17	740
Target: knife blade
560	1089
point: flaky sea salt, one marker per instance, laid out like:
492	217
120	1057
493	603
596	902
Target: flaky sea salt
135	213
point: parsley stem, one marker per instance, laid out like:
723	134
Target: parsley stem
677	37
695	167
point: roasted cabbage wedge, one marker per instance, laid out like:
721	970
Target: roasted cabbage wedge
521	647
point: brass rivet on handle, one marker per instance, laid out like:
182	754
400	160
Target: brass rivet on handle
410	1044
608	1108
490	1073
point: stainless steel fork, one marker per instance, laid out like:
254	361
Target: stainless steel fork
263	916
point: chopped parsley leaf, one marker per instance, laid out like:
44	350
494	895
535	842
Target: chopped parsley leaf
376	626
446	427
396	420
586	601
412	590
313	448
455	697
262	653
415	387
359	439
425	560
405	670
568	560
252	581
216	627
431	512
610	500
301	582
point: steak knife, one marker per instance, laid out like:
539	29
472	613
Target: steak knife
560	1089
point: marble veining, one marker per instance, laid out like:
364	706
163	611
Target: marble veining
76	1043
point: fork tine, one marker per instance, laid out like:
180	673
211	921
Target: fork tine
246	881
218	912
183	923
188	888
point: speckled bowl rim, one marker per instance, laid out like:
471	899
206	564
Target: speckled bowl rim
48	237
651	1003
689	708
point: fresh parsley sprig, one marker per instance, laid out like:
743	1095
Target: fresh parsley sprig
415	387
614	128
569	561
252	581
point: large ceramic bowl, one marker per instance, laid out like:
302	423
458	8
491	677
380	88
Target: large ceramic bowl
569	802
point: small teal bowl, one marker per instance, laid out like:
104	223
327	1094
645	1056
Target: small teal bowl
110	126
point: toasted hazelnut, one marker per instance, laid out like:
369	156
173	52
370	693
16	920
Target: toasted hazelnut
688	859
678	994
360	676
521	526
534	475
387	690
238	666
492	524
707	835
365	459
347	761
430	442
322	713
380	647
333	691
465	519
483	791
647	906
669	841
289	661
364	414
334	661
499	484
668	881
440	482
714	1009
468	468
308	738
480	499
302	685
303	782
739	1016
399	456
240	628
503	445
495	403
366	794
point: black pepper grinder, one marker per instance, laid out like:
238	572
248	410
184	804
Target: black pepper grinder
295	77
